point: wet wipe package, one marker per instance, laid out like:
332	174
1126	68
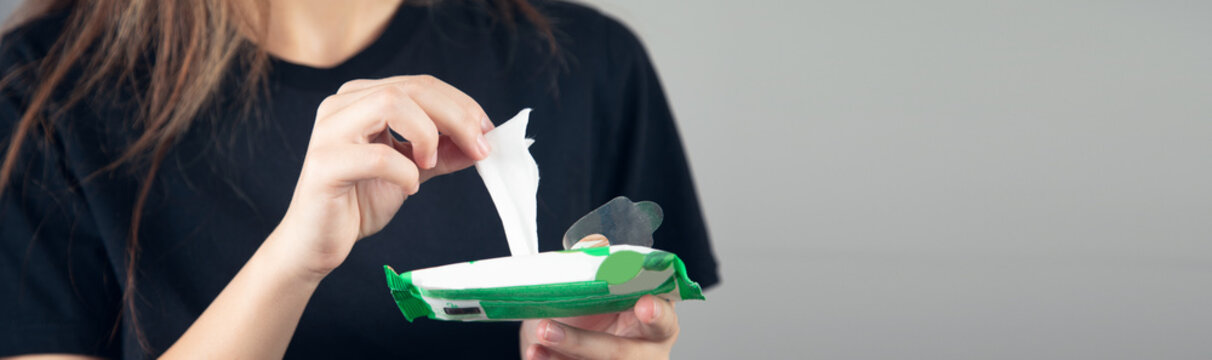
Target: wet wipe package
607	266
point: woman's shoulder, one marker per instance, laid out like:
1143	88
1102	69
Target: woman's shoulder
579	16
578	28
586	26
594	44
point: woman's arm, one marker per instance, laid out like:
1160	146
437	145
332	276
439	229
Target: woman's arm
354	179
256	314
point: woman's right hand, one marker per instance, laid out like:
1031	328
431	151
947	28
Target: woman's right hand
356	175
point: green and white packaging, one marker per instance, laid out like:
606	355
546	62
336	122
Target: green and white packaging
551	284
584	280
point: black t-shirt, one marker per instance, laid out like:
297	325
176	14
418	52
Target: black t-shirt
602	128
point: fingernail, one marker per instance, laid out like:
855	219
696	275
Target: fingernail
486	124
553	333
433	159
482	143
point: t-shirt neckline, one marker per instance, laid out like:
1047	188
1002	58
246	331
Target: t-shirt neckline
366	62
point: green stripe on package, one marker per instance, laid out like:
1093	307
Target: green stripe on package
608	266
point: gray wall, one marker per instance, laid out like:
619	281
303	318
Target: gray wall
945	179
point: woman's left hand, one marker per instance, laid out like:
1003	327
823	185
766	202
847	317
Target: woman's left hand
647	331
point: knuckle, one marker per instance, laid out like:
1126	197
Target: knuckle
426	138
472	115
390	94
406	88
385	101
326	107
356	83
425	80
379	156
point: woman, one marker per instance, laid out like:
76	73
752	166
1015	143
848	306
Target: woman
189	179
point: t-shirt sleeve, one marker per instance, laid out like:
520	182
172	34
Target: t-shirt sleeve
57	291
644	157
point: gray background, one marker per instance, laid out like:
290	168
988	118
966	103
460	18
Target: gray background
945	179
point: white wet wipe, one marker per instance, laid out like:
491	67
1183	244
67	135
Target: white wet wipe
512	178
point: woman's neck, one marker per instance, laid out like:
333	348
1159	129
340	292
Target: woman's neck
325	33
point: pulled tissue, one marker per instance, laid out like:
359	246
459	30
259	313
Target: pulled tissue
512	178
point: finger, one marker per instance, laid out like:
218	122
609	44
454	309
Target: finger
462	122
362	84
356	162
465	101
337	102
479	116
580	343
452	112
538	352
450	158
358	114
414	125
658	320
372	114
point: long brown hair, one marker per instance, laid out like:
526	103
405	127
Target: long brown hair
194	46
